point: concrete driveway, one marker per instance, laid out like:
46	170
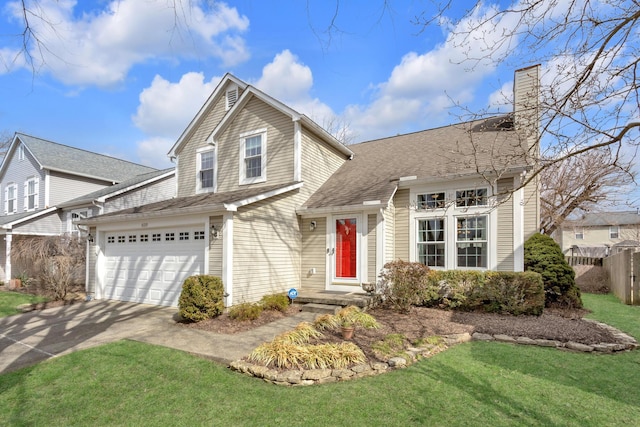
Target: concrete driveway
30	338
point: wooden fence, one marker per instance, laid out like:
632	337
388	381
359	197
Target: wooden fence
583	260
623	270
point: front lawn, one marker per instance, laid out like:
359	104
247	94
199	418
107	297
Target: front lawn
478	383
9	301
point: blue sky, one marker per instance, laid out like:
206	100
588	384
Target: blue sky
124	78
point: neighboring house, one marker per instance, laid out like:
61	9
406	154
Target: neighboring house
268	201
600	234
38	178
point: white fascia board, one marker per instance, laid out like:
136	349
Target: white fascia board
135	186
310	212
151	215
205	107
452	177
232	207
10	225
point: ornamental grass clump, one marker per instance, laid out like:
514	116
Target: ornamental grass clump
350	316
291	350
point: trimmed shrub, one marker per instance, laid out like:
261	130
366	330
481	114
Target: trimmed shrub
509	292
201	298
403	284
278	302
245	311
452	288
543	255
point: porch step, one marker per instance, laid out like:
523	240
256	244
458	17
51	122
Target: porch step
321	308
340	299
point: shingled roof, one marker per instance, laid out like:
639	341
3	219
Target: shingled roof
458	150
134	182
62	158
208	202
600	219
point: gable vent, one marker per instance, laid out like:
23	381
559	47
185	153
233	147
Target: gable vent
232	97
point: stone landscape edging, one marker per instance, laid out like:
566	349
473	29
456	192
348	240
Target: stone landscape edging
302	377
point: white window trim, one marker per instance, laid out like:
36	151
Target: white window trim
578	231
15	198
199	153
611	232
456	241
445	242
35	181
21	152
263	154
475	188
450	213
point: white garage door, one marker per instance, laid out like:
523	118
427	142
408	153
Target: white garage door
150	266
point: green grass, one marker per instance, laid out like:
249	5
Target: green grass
478	383
10	300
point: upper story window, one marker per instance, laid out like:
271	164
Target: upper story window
469	198
431	200
614	232
31	194
579	233
206	175
11	198
253	148
21	152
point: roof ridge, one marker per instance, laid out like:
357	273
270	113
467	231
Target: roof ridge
85	150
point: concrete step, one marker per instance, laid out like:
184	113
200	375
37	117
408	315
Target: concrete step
321	308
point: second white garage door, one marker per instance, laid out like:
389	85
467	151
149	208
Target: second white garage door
150	266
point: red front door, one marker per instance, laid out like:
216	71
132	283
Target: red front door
346	248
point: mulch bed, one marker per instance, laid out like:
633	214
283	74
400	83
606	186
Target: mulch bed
555	324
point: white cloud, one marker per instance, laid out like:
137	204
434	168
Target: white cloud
166	108
153	152
290	81
100	47
422	87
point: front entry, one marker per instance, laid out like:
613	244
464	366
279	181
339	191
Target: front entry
345	252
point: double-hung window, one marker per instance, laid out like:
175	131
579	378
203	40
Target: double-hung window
614	232
431	238
31	194
471	241
253	147
206	173
11	199
579	233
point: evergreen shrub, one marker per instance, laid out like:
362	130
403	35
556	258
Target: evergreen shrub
543	255
201	298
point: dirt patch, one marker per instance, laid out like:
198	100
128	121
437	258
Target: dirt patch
224	324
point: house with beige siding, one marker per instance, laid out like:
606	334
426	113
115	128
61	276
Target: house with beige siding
269	201
40	184
599	234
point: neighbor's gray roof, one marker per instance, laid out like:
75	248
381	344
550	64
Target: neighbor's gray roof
62	158
182	205
138	179
601	219
451	151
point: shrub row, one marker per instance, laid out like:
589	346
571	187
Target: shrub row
408	283
202	298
